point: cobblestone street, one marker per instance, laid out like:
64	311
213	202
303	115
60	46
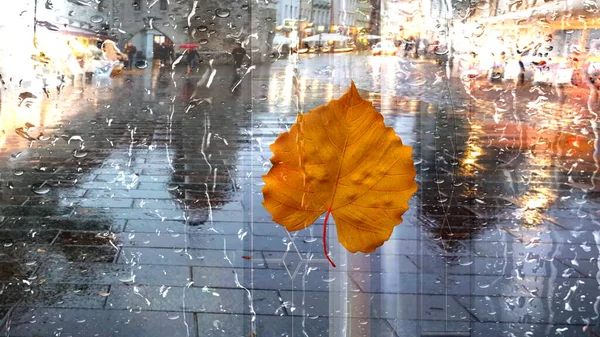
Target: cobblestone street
131	206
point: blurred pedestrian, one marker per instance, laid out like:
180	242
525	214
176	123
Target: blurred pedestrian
193	57
130	50
164	54
239	53
408	45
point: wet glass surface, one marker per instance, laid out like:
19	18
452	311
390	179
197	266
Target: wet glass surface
131	180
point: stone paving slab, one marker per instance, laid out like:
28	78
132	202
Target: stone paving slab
209	300
508	309
83	296
269	279
85	322
191	257
365	305
109	274
525	266
172	227
294	260
567	330
29	223
214	325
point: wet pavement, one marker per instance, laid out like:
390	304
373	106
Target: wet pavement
132	206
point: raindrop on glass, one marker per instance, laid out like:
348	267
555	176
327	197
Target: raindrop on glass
203	41
141	64
201	28
41	189
18	172
79	154
223	12
96	19
245	7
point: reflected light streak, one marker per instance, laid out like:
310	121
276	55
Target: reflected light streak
472	154
328	92
282	93
534	203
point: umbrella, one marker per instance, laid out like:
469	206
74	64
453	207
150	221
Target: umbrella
326	37
188	46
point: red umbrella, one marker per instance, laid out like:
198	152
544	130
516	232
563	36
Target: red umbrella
188	46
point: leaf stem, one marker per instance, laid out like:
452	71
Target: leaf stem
325	237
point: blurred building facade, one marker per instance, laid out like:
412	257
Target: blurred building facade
214	25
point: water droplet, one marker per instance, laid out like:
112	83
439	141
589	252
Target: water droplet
329	280
81	321
201	28
245	7
172	316
172	187
223	12
18	172
79	154
141	64
96	19
75	138
71	13
129	279
10	185
309	240
203	41
41	189
262	98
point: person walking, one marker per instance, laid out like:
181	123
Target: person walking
193	57
239	53
130	50
164	54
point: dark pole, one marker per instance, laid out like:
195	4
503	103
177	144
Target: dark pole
35	23
331	14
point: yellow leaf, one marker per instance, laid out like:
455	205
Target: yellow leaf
343	160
